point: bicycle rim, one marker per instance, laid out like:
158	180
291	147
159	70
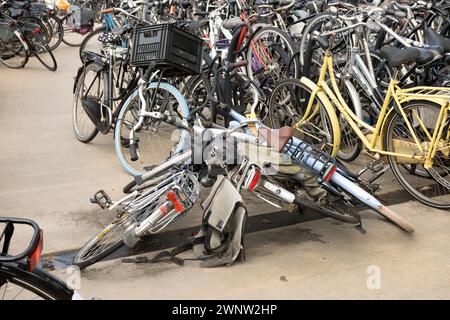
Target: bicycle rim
432	189
91	79
12	51
158	141
287	105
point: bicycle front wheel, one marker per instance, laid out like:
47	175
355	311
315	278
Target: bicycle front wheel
287	104
429	186
44	54
157	141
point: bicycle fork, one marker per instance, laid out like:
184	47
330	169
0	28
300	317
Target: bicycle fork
133	140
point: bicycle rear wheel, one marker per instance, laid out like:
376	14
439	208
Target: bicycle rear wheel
287	104
18	284
91	42
13	53
271	57
54	24
432	189
93	83
43	53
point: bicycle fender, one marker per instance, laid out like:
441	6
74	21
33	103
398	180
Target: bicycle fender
77	77
331	112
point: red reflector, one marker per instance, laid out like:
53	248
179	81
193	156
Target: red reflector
332	171
172	197
36	31
164	209
35	256
254	181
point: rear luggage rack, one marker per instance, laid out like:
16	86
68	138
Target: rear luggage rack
304	154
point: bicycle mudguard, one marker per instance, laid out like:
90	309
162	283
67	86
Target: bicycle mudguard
330	110
77	77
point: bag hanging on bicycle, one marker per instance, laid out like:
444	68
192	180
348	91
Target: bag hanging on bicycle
80	20
223	227
220	240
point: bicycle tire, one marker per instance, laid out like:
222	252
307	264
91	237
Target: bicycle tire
21	51
296	112
83	263
37	281
288	60
52	66
117	129
92	130
57	28
88	38
398	168
307	30
302	202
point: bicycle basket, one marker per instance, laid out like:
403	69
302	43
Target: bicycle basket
172	48
80	20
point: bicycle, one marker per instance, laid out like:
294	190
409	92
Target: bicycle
20	278
402	133
21	40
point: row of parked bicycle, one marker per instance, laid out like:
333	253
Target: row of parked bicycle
270	97
33	28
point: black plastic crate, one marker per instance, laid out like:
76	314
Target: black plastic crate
175	50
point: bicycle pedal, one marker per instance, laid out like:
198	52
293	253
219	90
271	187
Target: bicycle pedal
377	167
102	199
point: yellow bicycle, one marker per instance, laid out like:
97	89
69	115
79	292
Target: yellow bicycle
412	130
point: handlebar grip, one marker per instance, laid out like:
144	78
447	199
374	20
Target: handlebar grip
133	151
107	10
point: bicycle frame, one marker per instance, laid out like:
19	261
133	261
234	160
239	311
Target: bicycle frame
331	97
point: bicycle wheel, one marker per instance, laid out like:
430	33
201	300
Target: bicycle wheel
43	53
13	52
91	43
341	211
351	145
110	239
314	25
156	140
73	38
432	189
54	23
91	83
31	23
18	284
287	104
271	57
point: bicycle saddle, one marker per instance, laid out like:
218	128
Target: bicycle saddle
396	56
435	39
196	25
109	37
232	23
276	138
